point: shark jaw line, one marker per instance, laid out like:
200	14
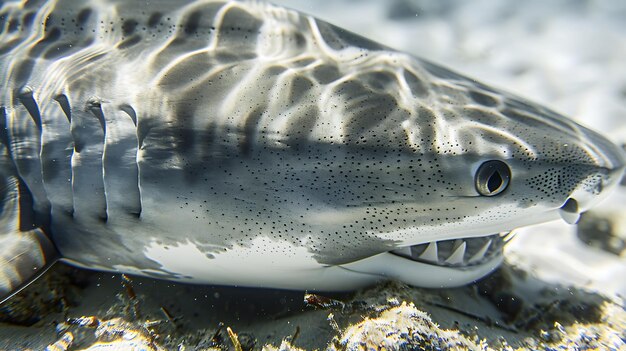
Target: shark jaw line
445	263
437	264
457	253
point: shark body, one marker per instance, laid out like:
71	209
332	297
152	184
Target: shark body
246	144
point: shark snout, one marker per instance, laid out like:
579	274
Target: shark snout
589	194
610	164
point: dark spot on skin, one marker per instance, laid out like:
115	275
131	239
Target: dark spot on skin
129	26
23	70
300	40
193	22
28	19
14	24
326	74
299	87
83	16
53	35
275	70
154	19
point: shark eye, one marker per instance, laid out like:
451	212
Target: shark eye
492	178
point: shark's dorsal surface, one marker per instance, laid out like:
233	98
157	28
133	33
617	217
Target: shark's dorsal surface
242	143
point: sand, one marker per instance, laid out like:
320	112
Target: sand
509	309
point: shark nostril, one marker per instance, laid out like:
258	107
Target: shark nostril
570	212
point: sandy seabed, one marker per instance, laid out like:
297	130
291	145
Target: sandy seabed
553	292
69	309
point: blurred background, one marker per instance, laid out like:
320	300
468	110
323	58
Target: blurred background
569	55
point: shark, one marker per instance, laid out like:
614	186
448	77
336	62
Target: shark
243	143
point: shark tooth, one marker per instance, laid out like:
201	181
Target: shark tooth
459	252
508	236
481	253
430	254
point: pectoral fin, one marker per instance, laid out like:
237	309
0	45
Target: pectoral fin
25	253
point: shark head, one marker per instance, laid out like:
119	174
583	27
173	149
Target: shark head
496	163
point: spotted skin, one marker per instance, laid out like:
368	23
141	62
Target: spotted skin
243	143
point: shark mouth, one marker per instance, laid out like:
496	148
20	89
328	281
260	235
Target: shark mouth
457	253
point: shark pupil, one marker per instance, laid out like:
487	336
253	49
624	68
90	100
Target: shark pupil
494	182
492	178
